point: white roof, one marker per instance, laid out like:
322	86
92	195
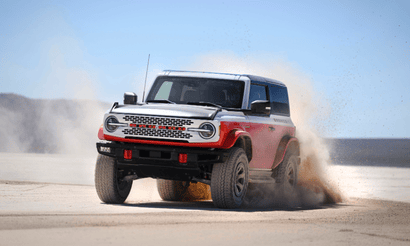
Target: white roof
218	76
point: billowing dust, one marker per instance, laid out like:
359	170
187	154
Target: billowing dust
309	112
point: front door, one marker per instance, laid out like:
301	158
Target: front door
262	131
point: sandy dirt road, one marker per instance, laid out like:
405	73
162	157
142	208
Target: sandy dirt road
51	200
34	213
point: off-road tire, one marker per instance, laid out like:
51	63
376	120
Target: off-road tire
110	188
172	190
229	180
287	171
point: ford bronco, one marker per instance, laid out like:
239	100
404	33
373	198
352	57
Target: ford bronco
221	130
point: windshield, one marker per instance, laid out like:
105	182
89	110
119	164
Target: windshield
184	90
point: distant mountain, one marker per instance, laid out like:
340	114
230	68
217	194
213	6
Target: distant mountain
370	152
48	125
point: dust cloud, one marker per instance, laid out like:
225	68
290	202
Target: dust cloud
50	126
310	113
197	192
54	126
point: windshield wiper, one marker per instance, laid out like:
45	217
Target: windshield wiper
205	104
161	101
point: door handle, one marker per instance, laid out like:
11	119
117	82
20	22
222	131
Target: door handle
271	128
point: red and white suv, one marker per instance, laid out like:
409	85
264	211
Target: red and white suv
223	130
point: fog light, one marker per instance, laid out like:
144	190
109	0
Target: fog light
127	154
183	158
105	149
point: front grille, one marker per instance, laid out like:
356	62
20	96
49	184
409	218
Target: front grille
149	120
156	133
161	127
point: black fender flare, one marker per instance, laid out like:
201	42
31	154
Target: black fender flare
287	143
245	142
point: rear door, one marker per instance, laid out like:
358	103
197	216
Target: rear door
279	116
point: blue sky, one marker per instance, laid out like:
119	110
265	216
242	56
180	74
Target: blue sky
355	53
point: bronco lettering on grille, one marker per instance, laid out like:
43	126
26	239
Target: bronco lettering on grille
157	120
157	127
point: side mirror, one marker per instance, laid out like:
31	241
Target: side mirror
260	107
130	98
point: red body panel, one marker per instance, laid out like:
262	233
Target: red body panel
265	141
101	133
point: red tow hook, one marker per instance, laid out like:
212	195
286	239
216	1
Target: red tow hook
183	158
127	154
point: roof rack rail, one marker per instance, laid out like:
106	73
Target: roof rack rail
184	71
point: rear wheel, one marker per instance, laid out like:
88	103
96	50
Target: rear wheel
287	172
229	180
172	190
110	186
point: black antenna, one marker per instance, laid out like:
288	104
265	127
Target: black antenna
146	73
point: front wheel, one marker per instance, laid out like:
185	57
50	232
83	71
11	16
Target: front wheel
110	186
229	180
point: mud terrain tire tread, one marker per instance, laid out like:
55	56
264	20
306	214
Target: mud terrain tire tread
106	182
282	169
223	178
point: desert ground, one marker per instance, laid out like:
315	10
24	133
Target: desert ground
53	202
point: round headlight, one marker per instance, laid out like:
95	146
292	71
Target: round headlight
111	127
210	130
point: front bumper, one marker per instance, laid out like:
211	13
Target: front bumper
162	161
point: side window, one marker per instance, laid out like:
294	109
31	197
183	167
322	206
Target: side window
258	92
279	100
164	90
